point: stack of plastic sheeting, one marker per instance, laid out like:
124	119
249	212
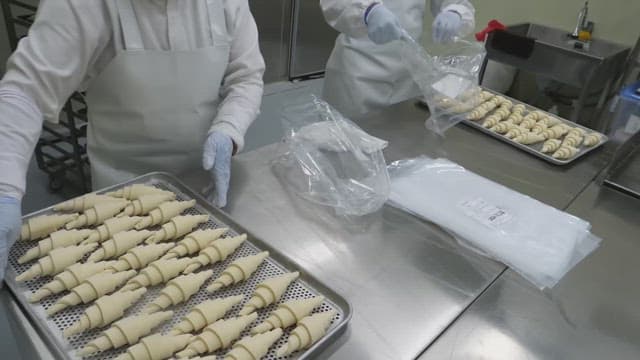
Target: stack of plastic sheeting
536	240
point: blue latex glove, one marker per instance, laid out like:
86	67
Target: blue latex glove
382	25
446	26
9	229
217	160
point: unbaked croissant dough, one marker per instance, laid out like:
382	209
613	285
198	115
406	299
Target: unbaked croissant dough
576	131
218	335
178	291
164	212
237	271
556	131
176	227
309	330
515	118
205	313
216	251
111	227
288	314
572	140
195	242
551	145
98	214
90	289
145	203
40	226
82	203
104	311
516	131
155	347
528	139
253	347
565	152
119	244
503	127
56	261
549	121
528	123
486	95
518	109
506	104
482	110
491	121
135	191
125	332
140	256
592	139
539	127
57	239
158	272
268	292
70	278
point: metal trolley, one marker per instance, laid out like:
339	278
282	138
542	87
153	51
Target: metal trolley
61	151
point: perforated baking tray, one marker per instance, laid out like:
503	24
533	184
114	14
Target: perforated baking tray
306	286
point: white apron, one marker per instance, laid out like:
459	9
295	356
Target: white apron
151	110
362	77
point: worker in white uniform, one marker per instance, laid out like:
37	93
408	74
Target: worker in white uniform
365	71
171	85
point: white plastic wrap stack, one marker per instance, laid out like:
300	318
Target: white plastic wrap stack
536	240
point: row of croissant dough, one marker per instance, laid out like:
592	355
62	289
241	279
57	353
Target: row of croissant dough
513	121
120	268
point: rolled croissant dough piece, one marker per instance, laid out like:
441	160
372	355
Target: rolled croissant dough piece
125	332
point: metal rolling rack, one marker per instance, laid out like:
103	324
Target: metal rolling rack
61	151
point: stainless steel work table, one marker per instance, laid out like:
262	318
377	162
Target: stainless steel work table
591	314
406	279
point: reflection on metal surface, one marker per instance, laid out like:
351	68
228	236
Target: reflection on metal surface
406	278
591	314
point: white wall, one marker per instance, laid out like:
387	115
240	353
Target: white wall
616	20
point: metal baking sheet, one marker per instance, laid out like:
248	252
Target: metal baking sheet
306	286
535	149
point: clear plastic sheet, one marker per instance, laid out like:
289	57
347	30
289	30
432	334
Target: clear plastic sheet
538	241
449	82
330	161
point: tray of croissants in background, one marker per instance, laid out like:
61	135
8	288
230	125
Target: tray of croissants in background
149	270
545	135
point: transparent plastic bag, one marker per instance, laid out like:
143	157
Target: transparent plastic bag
330	161
538	241
449	82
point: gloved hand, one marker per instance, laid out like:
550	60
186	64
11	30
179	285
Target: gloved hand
446	26
217	160
9	229
382	25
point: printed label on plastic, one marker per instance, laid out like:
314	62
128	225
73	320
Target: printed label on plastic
486	213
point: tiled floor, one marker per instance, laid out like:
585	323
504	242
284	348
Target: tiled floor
265	130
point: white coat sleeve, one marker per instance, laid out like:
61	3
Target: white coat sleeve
347	16
48	65
242	85
462	7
